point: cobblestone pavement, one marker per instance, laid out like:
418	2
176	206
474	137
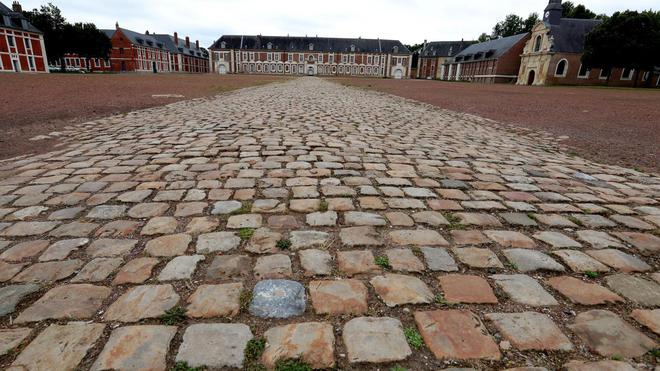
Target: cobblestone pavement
343	228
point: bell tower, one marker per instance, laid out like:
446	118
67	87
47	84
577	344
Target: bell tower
553	11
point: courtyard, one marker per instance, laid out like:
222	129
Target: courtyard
343	227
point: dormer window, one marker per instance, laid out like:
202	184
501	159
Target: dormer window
451	50
352	48
269	46
223	45
311	46
395	49
537	43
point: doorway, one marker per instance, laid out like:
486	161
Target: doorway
398	74
531	77
310	71
16	64
154	67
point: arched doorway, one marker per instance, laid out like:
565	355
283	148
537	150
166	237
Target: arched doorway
398	74
531	77
311	71
222	69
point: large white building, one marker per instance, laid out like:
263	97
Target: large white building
324	56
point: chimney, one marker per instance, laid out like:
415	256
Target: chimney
553	12
176	39
146	32
197	44
117	25
187	42
16	6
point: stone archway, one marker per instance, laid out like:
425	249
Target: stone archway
531	77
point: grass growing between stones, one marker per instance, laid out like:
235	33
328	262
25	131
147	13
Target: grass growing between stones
245	233
590	274
323	206
454	221
413	337
292	365
246	208
383	262
245	299
174	316
398	368
284	244
183	366
254	349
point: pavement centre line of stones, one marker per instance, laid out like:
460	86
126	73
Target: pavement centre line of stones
331	222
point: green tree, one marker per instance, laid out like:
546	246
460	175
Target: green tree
628	39
483	37
49	20
514	24
62	37
570	10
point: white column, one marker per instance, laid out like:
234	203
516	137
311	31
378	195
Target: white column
451	72
458	72
442	72
43	50
409	72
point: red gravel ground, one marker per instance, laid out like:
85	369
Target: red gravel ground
610	125
39	104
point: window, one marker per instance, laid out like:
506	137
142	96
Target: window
331	58
301	57
584	72
376	60
121	50
223	45
269	46
645	76
537	43
627	74
28	44
352	48
311	46
344	58
31	62
10	41
269	57
320	58
277	57
605	73
370	60
562	67
244	56
289	57
395	49
352	58
251	57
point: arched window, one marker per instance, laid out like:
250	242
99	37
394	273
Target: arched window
562	67
352	48
269	46
537	43
223	45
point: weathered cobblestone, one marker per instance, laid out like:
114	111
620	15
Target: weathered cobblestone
373	205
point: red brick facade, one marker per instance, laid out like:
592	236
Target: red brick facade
76	62
21	51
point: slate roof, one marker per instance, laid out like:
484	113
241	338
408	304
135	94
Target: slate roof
137	38
168	41
444	48
11	19
298	43
570	33
492	49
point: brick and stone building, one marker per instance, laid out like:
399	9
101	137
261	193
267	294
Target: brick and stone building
22	47
495	61
554	51
135	52
323	56
434	54
77	62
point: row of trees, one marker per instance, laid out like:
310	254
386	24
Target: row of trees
63	37
628	39
514	24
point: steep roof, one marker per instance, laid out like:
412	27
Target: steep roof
444	48
490	49
568	36
298	43
137	38
15	20
168	41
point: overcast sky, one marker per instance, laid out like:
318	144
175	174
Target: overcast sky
410	21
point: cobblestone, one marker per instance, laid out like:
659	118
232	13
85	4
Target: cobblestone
372	205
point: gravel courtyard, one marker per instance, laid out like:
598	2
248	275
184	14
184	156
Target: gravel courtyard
341	227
